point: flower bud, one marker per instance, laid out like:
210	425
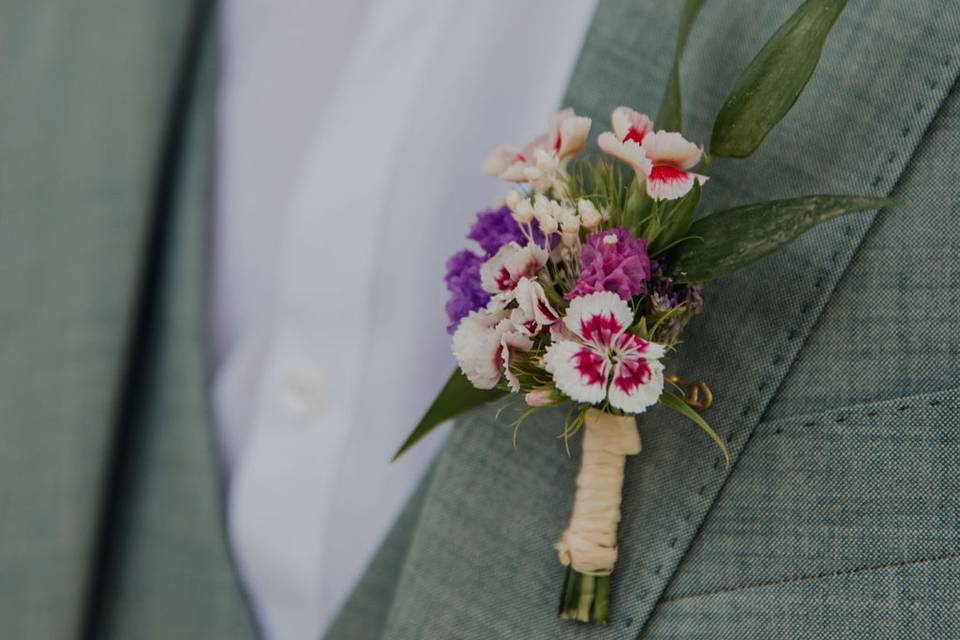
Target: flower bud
542	175
589	215
548	224
541	206
546	161
523	212
569	220
539	398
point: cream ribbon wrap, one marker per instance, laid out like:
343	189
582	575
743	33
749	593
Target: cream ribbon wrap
590	542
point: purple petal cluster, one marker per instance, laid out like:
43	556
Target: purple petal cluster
664	295
613	260
463	282
493	229
496	227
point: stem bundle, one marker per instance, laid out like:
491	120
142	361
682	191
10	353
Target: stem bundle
589	544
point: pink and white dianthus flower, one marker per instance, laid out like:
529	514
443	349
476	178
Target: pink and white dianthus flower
602	359
568	134
483	345
630	128
565	137
486	340
534	311
671	156
500	274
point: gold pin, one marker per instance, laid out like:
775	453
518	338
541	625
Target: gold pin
696	395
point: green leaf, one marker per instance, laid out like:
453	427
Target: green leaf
676	221
732	239
772	82
670	115
673	402
636	209
457	396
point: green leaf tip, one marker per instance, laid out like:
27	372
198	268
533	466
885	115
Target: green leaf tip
676	404
773	81
457	396
670	114
735	238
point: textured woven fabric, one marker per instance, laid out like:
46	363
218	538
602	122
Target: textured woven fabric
834	524
835	516
169	574
109	509
891	330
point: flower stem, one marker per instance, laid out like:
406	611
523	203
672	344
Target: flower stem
585	605
569	596
584	597
600	599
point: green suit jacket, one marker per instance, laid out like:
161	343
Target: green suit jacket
835	364
110	506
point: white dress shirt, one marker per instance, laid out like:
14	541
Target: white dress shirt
350	142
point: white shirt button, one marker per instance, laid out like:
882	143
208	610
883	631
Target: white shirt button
305	392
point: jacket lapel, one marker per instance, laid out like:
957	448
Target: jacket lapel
164	553
883	76
93	97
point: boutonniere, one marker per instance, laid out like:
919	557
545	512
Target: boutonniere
589	272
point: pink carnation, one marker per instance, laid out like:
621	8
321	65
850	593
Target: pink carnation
613	260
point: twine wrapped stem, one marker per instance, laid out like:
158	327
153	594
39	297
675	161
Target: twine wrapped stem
588	546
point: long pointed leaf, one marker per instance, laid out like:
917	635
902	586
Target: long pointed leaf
772	82
670	114
673	402
730	240
456	397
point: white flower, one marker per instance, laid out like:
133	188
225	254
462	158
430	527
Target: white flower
487	339
630	128
534	311
502	159
630	125
569	134
543	176
544	210
523	211
590	216
601	359
671	156
569	220
512	338
565	137
484	344
500	274
476	346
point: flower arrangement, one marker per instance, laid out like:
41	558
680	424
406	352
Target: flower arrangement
591	268
572	299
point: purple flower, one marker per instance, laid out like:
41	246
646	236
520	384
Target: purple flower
663	295
613	260
493	229
463	282
496	227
